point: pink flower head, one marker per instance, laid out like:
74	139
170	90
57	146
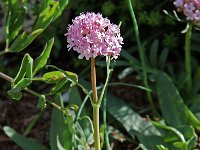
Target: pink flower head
91	35
190	9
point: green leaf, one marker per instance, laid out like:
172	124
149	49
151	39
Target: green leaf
22	71
59	129
62	5
55	76
24	142
29	67
161	147
153	53
42	59
15	19
24	40
52	77
59	86
171	103
192	119
15	92
42	103
46	16
134	124
70	122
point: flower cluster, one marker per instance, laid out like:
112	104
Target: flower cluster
92	35
190	8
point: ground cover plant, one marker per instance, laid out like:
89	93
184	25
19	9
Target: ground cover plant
100	75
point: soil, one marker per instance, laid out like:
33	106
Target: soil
18	115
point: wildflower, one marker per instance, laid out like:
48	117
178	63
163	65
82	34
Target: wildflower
91	35
190	8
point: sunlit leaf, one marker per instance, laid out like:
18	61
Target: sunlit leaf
42	59
15	92
24	40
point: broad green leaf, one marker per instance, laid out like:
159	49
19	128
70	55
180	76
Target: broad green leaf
134	124
24	40
42	59
24	142
15	92
153	53
61	73
46	16
15	19
59	129
171	103
54	76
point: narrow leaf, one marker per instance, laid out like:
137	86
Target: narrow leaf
153	53
59	129
171	103
15	92
24	40
24	142
42	59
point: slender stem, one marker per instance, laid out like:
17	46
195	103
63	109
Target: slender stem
6	77
105	102
96	128
3	52
141	53
188	57
95	106
93	81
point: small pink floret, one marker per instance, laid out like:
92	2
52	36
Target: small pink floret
190	9
91	35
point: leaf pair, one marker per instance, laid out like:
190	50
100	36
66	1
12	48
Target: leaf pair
27	70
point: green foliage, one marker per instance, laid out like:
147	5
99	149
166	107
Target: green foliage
15	92
24	142
60	131
25	69
41	60
24	40
171	103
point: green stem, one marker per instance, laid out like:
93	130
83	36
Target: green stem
141	53
188	57
96	128
8	78
3	52
95	106
105	102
